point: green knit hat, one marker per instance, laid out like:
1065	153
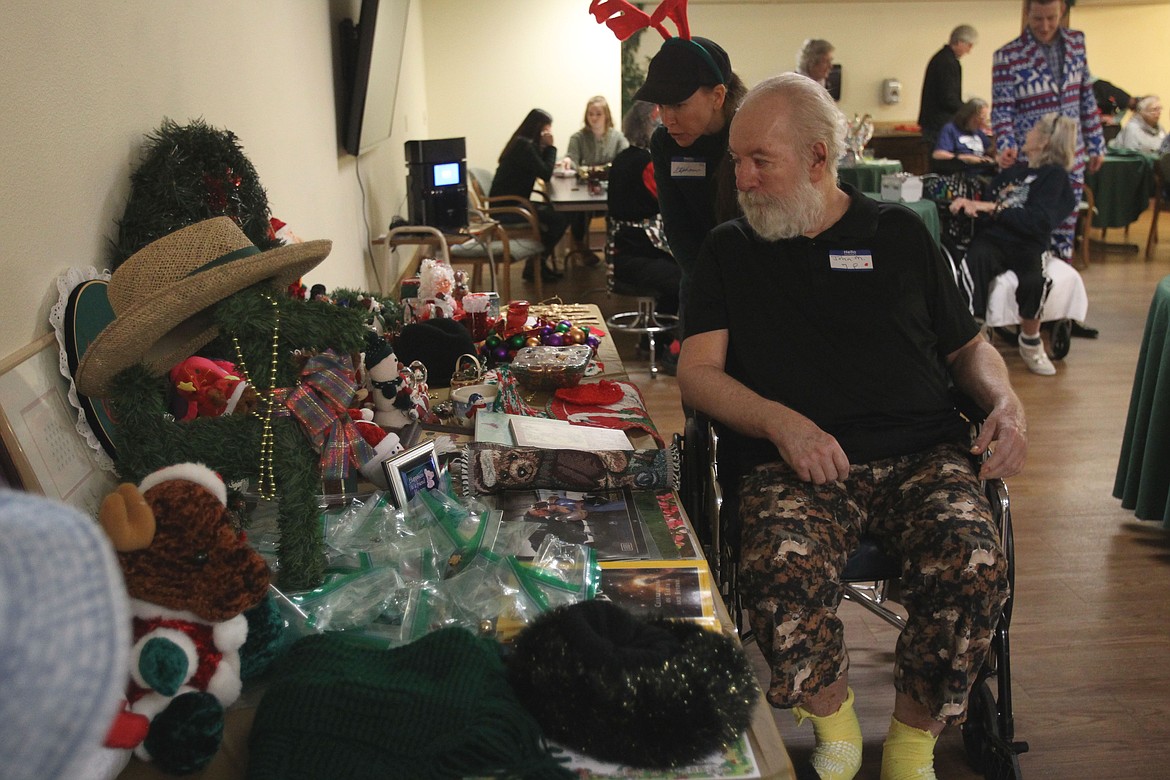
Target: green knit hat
440	707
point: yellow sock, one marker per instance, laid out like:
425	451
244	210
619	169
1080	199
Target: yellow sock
837	755
908	753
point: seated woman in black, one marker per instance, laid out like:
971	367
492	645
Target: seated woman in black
964	145
636	242
1016	226
528	156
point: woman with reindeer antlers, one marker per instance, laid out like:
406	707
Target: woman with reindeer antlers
691	81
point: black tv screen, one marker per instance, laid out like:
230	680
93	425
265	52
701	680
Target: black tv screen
371	57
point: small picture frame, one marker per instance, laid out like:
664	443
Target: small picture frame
411	471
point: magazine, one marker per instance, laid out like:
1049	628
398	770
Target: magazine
605	520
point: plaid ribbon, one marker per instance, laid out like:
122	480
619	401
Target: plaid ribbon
319	402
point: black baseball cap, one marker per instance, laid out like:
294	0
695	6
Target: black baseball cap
680	67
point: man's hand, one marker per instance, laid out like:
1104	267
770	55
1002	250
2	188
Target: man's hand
1095	163
814	455
1005	431
1006	158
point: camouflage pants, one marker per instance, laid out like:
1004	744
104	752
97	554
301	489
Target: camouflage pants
926	508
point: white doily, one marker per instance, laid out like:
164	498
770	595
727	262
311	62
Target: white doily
66	282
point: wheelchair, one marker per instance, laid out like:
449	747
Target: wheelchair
709	497
1065	299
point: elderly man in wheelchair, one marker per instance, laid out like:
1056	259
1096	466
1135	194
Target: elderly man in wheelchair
827	334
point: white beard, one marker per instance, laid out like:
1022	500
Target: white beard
775	218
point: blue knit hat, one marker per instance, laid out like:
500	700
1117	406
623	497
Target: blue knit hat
64	639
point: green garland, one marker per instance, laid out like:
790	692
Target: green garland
148	437
188	174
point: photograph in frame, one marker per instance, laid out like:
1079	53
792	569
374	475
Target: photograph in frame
43	452
411	471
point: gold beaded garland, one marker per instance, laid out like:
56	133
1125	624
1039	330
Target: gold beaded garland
267	486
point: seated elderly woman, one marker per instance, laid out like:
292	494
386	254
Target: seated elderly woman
1142	133
964	144
1016	220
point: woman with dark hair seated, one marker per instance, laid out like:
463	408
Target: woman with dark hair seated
1016	224
530	155
964	145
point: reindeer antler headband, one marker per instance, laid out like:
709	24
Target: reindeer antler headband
682	65
625	19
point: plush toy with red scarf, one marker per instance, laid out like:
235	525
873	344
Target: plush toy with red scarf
191	576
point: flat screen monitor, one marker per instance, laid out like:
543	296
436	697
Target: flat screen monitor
445	174
371	57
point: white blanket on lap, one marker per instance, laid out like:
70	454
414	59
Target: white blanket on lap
1067	299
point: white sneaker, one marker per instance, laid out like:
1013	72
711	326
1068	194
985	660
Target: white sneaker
1036	359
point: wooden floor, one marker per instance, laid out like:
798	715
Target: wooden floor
1091	629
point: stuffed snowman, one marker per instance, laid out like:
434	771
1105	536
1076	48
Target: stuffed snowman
389	385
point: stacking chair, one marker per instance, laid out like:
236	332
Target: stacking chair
1161	200
709	496
515	241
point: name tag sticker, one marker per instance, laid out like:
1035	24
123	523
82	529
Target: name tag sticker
850	260
687	168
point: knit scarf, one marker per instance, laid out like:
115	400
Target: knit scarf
440	707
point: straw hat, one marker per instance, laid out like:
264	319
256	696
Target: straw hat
163	296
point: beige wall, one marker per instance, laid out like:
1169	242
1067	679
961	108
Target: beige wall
489	63
82	83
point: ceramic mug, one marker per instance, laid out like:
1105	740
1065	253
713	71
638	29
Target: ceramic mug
469	400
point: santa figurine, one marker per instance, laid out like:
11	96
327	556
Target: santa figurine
385	443
437	287
210	388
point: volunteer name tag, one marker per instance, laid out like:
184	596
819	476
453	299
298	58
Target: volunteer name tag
850	260
687	168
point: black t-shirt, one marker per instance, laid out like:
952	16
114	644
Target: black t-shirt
858	350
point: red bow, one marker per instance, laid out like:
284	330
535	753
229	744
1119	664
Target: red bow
625	19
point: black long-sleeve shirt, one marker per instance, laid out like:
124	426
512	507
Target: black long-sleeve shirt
942	91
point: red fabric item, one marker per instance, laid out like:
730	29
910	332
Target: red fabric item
594	394
626	414
127	731
648	179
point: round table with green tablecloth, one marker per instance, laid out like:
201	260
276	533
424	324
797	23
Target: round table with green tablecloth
1121	188
927	211
866	175
1143	472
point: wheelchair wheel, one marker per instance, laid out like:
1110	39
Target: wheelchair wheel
987	752
1061	338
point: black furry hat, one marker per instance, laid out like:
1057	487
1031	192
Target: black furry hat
437	343
647	693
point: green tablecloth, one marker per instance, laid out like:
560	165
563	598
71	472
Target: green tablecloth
867	175
1121	188
927	211
1143	473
